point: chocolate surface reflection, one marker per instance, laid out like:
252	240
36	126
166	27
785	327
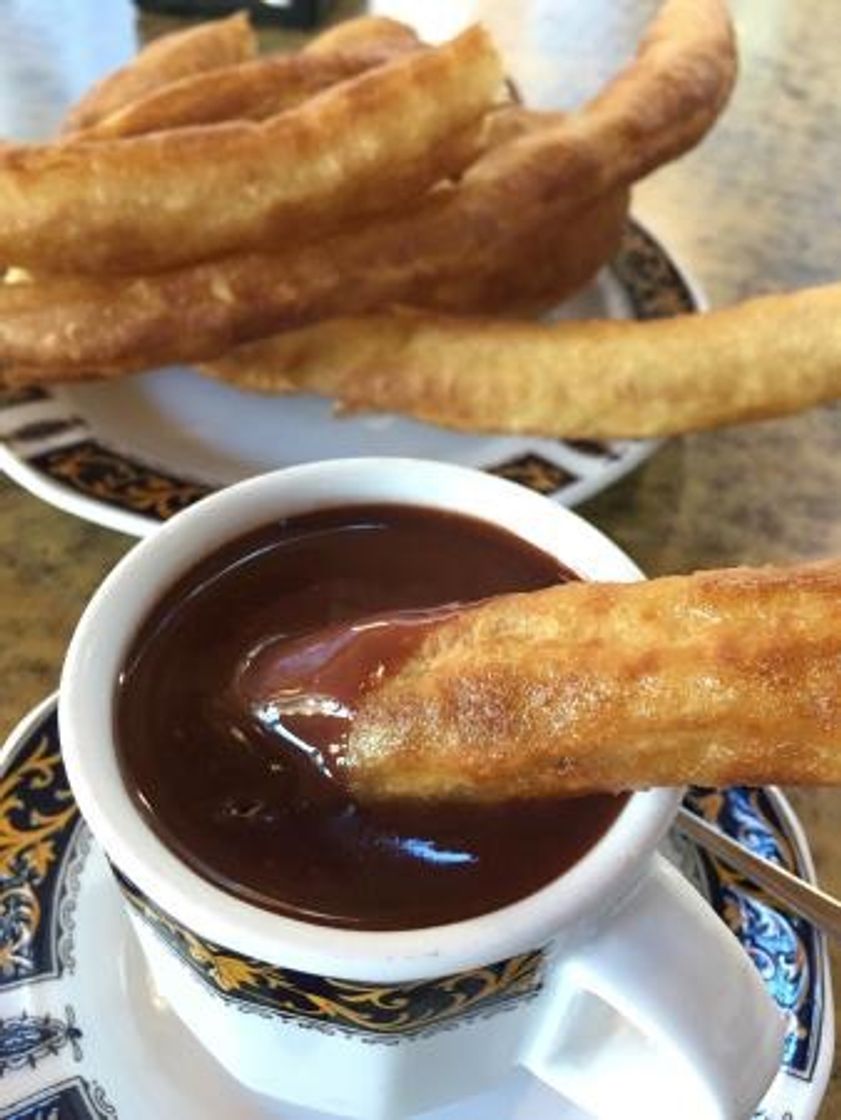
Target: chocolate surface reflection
235	698
308	689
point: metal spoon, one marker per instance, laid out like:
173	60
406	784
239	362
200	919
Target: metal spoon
819	908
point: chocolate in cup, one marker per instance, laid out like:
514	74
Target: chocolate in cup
283	629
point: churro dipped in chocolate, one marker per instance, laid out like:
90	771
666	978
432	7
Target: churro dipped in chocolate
717	678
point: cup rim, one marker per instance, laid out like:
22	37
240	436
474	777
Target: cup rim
598	880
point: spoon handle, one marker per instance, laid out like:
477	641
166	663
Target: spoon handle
819	908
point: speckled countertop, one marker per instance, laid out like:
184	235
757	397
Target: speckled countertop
756	207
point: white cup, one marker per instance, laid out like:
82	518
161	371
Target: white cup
616	984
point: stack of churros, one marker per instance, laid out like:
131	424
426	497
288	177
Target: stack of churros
370	218
374	220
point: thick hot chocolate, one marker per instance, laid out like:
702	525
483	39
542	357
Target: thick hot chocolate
229	733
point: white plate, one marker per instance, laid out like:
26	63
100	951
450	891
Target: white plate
83	1035
130	453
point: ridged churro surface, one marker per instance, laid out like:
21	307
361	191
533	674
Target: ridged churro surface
717	678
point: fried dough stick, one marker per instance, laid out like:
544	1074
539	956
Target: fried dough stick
718	678
605	379
253	90
86	328
222	42
439	254
684	74
156	201
349	34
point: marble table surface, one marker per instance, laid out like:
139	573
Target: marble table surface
756	207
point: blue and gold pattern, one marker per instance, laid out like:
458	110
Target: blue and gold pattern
39	830
654	288
96	471
534	472
27	1039
374	1011
74	1099
785	948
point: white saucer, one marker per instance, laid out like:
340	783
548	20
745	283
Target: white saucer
83	1035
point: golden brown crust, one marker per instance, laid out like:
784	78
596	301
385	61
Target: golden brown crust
195	50
63	320
349	34
253	90
339	361
75	328
717	678
453	239
769	356
153	202
662	105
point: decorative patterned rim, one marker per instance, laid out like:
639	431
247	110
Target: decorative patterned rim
71	1099
785	948
44	845
42	840
60	459
789	953
372	1012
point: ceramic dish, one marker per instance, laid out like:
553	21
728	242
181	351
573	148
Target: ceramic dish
128	454
83	1035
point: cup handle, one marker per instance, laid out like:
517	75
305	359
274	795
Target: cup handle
663	1014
